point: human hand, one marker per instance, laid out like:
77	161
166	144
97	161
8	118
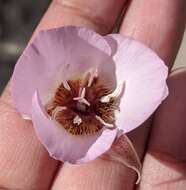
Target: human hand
24	163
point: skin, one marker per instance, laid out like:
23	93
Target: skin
24	163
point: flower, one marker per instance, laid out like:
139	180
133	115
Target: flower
80	89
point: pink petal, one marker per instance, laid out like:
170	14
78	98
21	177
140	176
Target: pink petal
63	146
53	56
145	76
101	145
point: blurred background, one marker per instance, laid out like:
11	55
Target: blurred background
18	18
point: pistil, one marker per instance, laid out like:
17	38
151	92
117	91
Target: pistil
81	98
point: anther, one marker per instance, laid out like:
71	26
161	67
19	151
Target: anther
57	110
109	125
117	92
25	117
77	120
93	74
66	85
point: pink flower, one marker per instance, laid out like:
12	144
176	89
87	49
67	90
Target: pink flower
80	89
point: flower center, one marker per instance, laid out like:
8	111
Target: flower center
84	106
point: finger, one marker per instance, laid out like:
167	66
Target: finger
97	174
95	14
159	24
24	164
165	161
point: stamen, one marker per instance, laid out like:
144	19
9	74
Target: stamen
93	74
117	92
77	120
103	122
66	85
57	110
